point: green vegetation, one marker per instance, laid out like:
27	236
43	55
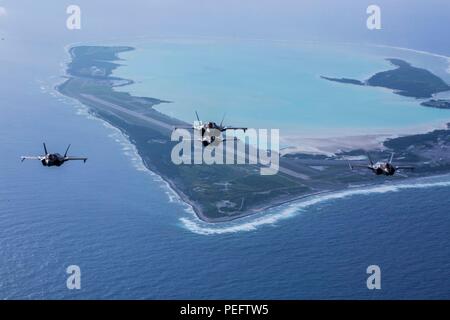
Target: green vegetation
217	192
409	81
439	103
224	192
405	80
344	80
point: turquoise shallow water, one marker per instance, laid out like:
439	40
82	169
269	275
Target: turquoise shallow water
278	85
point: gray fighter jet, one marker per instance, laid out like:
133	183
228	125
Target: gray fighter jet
53	159
211	131
381	168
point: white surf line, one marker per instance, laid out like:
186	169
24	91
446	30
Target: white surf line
447	58
199	227
122	139
137	161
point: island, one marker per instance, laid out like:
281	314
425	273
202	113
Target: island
345	80
219	193
405	80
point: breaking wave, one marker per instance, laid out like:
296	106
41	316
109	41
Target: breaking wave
128	148
197	226
254	222
431	54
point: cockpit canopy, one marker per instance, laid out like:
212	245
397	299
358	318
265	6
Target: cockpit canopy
54	156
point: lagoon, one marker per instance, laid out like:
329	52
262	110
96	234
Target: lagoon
277	85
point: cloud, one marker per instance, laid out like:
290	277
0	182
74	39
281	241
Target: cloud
2	11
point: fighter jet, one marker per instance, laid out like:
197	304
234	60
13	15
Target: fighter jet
214	140
211	131
211	138
382	168
203	127
53	159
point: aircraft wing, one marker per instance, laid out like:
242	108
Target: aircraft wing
31	158
359	166
405	167
184	127
235	128
75	158
401	175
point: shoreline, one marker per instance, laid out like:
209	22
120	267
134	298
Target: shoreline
258	219
197	208
332	144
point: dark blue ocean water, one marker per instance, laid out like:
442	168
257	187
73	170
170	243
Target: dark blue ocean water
117	225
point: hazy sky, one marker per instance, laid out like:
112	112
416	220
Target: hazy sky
420	24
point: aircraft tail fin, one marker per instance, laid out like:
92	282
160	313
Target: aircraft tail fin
391	158
223	118
370	159
65	153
